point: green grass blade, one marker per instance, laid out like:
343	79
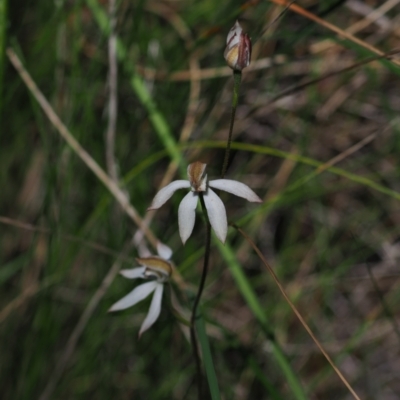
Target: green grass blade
207	358
8	270
159	122
251	299
152	159
259	374
304	160
281	154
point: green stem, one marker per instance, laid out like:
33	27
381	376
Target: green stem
198	297
207	357
237	77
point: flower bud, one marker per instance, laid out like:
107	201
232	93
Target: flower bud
238	48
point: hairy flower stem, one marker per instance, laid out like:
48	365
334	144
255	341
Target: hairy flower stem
198	296
237	77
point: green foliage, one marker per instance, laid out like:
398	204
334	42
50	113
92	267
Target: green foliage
320	226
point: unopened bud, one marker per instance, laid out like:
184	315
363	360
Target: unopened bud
238	48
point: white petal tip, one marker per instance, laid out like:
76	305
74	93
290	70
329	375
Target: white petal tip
141	332
222	239
185	234
164	251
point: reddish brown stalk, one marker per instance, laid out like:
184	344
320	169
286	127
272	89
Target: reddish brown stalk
301	11
298	315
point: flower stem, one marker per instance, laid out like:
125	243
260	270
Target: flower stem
198	296
237	77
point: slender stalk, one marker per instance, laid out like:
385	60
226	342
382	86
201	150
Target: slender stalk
198	297
206	258
297	313
237	77
258	310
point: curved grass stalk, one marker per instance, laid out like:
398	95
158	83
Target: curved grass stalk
258	149
320	166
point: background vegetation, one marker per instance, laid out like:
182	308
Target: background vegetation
324	158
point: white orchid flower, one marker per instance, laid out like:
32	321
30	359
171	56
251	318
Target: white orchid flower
215	207
158	270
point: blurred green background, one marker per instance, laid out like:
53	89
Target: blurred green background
331	236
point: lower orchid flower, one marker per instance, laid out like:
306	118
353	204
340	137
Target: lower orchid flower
155	269
215	207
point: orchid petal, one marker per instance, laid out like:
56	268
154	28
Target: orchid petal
166	192
187	215
132	298
143	250
154	310
216	214
234	35
236	188
133	273
164	251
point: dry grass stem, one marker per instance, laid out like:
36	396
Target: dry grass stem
69	349
298	315
301	11
79	150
